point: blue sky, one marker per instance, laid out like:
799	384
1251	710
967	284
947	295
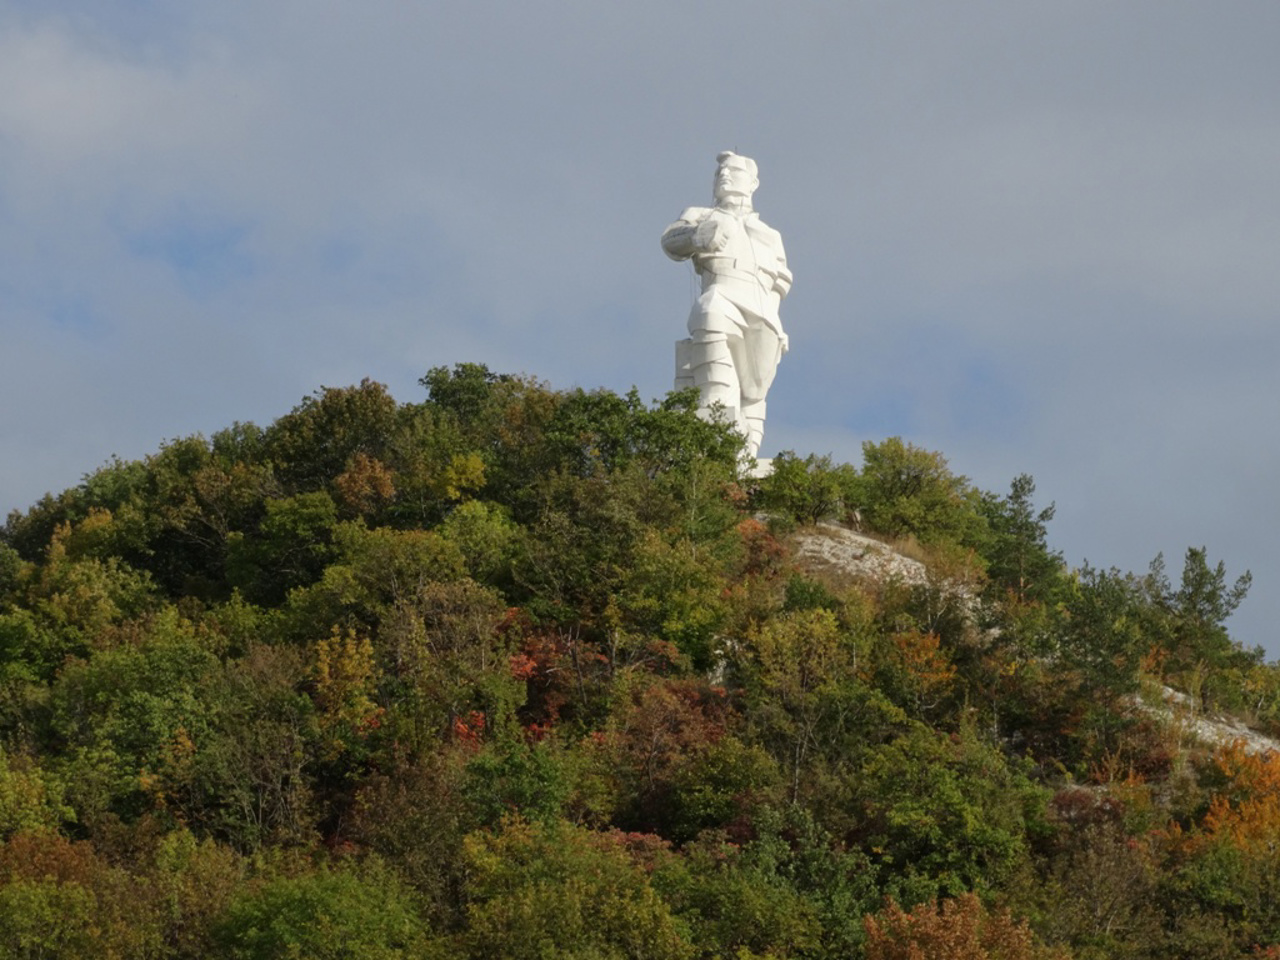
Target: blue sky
1039	238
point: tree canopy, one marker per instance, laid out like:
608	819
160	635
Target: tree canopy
511	671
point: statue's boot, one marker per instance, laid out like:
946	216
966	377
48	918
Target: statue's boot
715	377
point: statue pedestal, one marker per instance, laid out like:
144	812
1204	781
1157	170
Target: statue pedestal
684	365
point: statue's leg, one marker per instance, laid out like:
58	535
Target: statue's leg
758	363
715	334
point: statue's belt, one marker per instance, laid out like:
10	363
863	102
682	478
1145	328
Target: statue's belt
726	268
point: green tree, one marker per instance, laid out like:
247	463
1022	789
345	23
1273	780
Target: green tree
312	445
126	714
554	889
739	902
904	490
248	779
1100	641
943	815
1188	628
292	546
808	490
1019	561
806	702
193	882
343	912
30	798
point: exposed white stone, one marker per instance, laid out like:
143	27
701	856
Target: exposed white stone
834	546
1182	714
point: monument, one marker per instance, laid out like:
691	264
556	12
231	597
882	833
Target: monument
735	335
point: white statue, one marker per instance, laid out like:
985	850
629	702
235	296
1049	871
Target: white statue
735	335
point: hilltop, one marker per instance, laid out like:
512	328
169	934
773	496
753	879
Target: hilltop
510	671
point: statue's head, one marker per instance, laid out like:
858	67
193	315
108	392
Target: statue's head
735	176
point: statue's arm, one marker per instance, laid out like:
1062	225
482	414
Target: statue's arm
692	233
778	270
780	285
781	279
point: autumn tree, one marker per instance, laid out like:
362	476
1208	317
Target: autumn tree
956	929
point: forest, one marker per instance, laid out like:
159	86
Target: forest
517	672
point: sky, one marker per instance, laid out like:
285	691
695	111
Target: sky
1038	238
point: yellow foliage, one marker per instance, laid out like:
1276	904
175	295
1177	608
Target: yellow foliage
464	475
345	676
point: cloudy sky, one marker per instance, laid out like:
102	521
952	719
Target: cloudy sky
1036	237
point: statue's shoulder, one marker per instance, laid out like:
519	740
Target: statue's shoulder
696	214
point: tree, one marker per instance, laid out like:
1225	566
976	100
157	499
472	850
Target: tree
808	489
1019	560
193	882
658	730
124	711
906	490
1101	634
944	814
739	901
62	899
956	929
340	912
806	702
1188	626
553	889
313	445
30	798
292	546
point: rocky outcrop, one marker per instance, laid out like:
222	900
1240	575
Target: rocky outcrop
1182	714
833	548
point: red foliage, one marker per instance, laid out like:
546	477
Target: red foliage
554	667
523	666
765	553
471	729
646	849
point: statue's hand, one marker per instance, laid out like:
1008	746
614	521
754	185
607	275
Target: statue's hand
784	343
710	237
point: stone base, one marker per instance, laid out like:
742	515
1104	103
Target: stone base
684	366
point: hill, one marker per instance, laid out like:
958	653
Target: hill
517	672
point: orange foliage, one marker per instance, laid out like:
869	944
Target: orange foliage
1246	811
959	929
921	655
660	729
365	484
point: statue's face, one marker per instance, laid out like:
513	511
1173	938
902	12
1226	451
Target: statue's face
734	179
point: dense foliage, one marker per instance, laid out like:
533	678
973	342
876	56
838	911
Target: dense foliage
517	672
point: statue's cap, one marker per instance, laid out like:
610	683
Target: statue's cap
725	155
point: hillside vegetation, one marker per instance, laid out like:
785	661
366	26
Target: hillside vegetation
514	672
